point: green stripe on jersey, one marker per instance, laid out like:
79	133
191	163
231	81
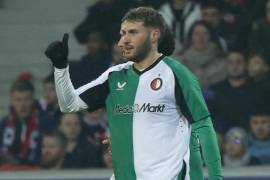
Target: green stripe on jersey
123	86
190	88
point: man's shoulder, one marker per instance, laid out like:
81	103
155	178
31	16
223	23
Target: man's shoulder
119	68
4	118
3	123
223	84
177	67
172	62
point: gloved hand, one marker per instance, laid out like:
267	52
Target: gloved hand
57	52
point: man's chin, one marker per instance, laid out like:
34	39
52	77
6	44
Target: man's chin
127	58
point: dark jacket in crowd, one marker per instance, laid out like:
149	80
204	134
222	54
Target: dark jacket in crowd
88	68
230	106
260	37
262	91
84	155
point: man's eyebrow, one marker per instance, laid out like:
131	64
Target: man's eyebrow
122	31
132	30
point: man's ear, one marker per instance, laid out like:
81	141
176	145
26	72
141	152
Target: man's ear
155	35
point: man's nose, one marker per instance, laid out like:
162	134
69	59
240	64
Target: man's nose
120	43
123	41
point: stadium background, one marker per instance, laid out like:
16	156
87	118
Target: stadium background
26	28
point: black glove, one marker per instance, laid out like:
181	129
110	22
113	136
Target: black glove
57	52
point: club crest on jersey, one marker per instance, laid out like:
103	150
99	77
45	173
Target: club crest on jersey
156	84
120	86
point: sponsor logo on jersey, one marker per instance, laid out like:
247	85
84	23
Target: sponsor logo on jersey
136	108
156	84
120	86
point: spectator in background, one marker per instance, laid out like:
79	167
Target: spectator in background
53	151
259	138
95	126
258	67
180	16
240	14
260	37
20	130
259	71
49	102
212	13
117	57
230	100
236	149
100	16
80	153
153	3
96	61
204	55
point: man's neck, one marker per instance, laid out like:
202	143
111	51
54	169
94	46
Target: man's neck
71	146
59	164
237	82
179	5
24	116
261	76
235	158
147	61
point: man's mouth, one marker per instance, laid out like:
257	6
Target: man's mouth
127	50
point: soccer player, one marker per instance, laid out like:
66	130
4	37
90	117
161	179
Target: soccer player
151	100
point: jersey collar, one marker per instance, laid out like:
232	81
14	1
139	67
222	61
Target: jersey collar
150	67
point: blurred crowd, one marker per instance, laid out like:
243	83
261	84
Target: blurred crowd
225	43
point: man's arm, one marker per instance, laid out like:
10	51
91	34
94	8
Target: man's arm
91	95
68	97
195	109
192	105
209	147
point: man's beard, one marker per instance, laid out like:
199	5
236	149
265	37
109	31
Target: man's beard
47	164
141	52
237	77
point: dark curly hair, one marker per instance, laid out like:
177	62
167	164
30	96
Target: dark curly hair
151	18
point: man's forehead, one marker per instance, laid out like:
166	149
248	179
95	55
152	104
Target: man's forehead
261	117
127	25
21	93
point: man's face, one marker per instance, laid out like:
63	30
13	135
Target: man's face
260	126
180	1
135	41
212	16
200	37
268	11
70	126
49	93
22	102
52	152
234	147
95	43
117	56
236	65
256	66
